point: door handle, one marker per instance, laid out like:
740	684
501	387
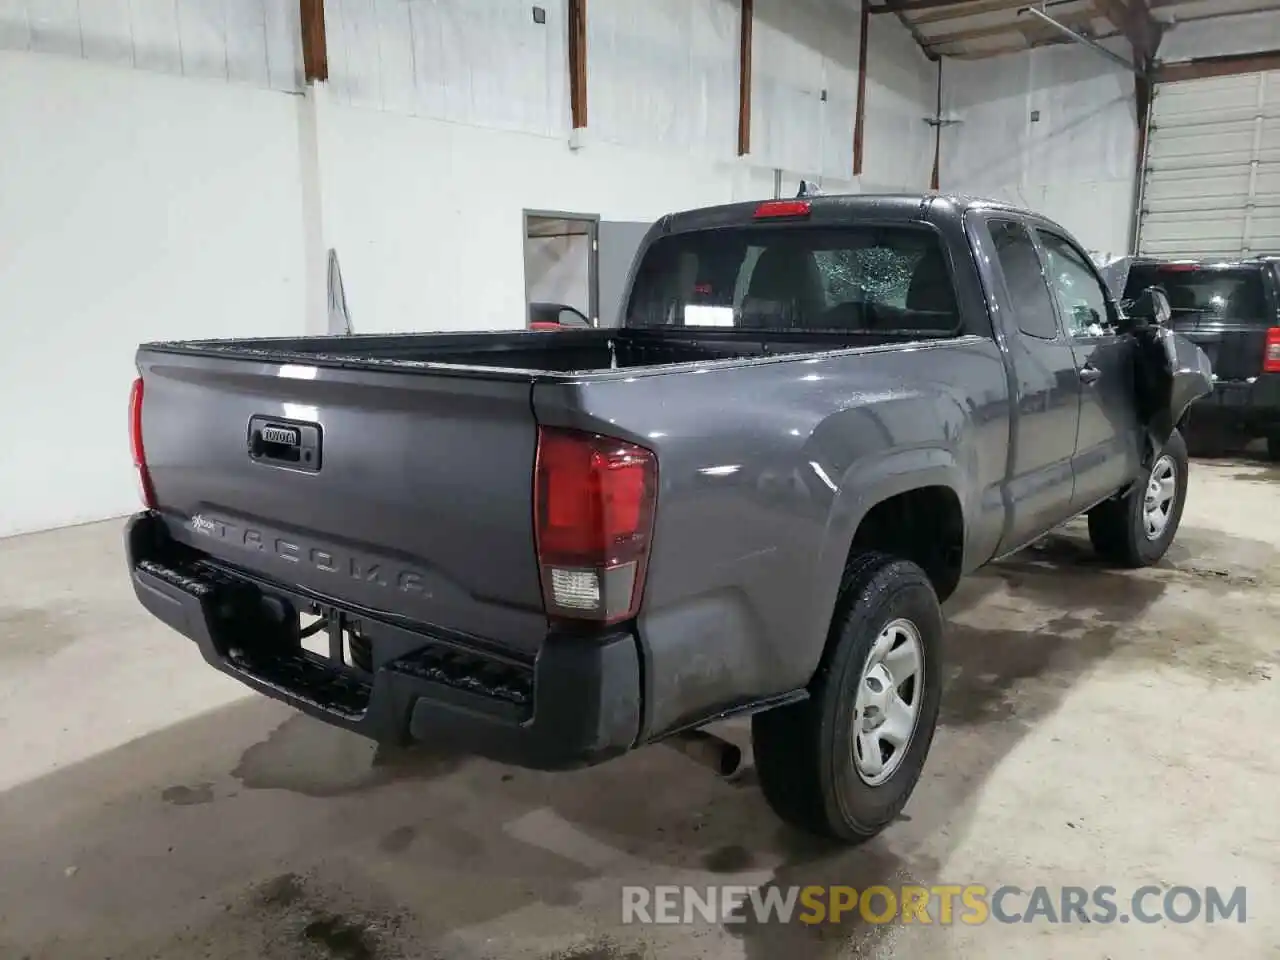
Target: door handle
1089	373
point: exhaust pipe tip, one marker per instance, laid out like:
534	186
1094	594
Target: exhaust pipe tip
730	762
707	749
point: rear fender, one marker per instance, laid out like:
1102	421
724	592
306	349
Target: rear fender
1170	373
866	484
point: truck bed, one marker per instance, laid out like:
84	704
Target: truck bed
395	474
524	352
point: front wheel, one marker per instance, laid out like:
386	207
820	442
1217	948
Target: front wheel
1135	530
843	763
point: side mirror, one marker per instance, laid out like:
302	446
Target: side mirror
1151	306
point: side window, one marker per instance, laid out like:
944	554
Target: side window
1024	279
1080	296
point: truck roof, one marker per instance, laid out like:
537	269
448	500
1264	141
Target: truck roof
1209	263
842	208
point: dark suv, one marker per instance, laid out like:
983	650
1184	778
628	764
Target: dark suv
1231	310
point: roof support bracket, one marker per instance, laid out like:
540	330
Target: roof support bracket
1080	38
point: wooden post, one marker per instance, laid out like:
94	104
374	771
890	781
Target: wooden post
860	120
935	183
578	62
315	56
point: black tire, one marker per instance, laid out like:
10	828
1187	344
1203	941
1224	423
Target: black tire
805	751
1117	528
1273	448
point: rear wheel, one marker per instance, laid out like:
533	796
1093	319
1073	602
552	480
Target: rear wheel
1136	529
843	763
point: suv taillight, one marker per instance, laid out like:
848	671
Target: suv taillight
145	490
1271	359
594	502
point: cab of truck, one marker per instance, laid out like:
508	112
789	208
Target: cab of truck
1231	310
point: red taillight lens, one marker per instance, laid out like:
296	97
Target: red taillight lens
594	501
782	208
1271	359
146	492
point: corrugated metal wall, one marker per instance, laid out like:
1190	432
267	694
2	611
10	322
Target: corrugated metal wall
662	74
241	41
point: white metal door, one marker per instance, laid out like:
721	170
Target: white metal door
1212	179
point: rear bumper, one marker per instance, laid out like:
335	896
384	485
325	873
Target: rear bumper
1254	406
577	704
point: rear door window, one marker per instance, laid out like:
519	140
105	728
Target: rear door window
1203	293
1024	279
881	279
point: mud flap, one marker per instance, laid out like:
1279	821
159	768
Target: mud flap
1170	372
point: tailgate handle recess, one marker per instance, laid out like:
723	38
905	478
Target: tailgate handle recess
285	443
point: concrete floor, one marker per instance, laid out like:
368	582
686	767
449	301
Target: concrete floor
1099	728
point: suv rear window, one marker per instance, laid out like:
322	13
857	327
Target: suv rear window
880	279
1207	292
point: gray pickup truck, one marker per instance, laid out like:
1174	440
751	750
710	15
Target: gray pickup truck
750	498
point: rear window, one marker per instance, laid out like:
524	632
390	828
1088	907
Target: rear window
881	279
1205	292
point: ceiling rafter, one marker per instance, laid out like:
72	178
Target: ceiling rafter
984	28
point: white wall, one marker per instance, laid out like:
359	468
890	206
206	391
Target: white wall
427	215
132	207
1222	36
1076	164
423	189
160	178
663	74
243	41
902	91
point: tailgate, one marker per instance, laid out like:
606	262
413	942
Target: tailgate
408	494
1235	349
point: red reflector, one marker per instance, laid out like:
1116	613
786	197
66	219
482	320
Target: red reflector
594	503
146	491
1271	359
782	208
1180	268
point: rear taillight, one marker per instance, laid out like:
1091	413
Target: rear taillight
593	509
145	490
1271	359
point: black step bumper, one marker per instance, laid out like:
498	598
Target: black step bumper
577	704
1253	406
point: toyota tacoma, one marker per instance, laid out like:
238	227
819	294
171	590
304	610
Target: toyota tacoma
815	416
